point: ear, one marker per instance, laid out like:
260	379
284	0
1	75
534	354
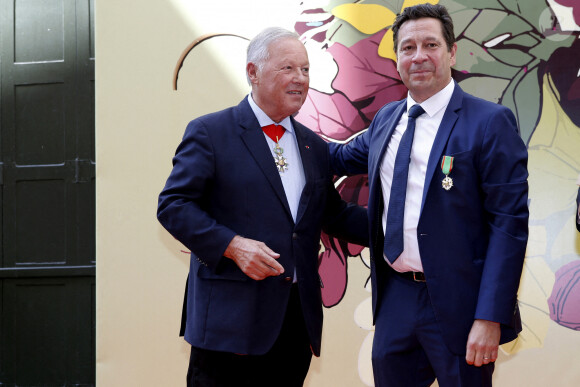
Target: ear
252	71
453	58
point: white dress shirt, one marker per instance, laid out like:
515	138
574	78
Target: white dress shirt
293	179
426	127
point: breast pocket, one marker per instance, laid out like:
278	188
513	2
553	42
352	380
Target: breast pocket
461	170
459	189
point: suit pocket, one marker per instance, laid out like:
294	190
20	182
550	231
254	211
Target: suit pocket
463	173
462	158
226	270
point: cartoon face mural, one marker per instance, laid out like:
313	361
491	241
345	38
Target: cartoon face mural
521	54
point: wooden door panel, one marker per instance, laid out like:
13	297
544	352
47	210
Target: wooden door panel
47	193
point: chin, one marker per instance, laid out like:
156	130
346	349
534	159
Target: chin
294	106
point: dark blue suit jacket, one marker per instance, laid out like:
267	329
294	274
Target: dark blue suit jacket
472	238
224	183
578	211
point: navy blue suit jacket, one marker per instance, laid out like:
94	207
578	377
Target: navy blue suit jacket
472	238
578	211
224	183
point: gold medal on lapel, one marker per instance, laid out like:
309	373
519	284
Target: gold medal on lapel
280	160
446	167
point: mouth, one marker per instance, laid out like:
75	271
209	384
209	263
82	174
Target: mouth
419	71
295	92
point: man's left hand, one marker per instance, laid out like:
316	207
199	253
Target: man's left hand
483	343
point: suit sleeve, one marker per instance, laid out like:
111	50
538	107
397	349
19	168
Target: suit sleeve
503	172
351	158
343	220
184	202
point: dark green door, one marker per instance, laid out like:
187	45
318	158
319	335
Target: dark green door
47	193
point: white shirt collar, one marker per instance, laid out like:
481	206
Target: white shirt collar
263	118
436	102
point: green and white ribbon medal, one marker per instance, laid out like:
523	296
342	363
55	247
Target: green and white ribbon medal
446	167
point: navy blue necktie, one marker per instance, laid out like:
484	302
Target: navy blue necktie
394	231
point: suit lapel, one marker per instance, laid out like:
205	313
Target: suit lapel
308	161
384	136
445	128
381	135
306	154
254	139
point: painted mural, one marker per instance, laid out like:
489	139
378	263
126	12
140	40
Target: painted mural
524	54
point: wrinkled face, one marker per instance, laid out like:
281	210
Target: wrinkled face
423	60
281	86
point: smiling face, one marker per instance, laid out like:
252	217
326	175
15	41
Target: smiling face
423	59
281	85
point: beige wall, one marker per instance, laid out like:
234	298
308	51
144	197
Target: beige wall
141	271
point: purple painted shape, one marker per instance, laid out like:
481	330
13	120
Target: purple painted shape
564	302
333	261
365	82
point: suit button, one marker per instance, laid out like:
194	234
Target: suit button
294	236
287	279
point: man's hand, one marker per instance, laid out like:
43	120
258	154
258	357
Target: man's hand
482	343
254	258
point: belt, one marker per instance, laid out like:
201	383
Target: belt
416	276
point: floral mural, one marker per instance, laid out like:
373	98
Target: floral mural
524	54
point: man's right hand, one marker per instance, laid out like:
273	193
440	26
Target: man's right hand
254	258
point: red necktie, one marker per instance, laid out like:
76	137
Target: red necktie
275	132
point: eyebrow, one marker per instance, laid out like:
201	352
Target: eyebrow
428	39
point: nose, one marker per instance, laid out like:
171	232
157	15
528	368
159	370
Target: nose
300	76
420	55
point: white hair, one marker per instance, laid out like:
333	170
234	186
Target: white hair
258	51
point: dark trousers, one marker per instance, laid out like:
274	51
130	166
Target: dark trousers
408	347
285	365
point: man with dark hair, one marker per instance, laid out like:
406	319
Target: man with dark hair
249	193
448	217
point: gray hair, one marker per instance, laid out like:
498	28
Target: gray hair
258	50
